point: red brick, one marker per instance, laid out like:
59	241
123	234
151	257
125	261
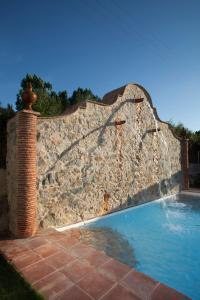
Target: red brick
26	174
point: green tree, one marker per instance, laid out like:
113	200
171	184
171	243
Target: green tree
179	129
193	137
49	103
80	95
5	115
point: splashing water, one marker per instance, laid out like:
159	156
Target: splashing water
167	251
165	152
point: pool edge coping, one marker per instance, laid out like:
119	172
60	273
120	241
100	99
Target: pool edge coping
82	223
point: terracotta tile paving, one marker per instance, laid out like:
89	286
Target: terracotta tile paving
97	258
53	284
140	284
74	233
81	250
56	236
162	292
47	250
77	269
96	284
36	242
62	267
114	269
59	259
25	259
120	293
37	271
68	242
74	293
12	250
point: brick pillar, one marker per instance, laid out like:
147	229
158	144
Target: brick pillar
185	163
26	197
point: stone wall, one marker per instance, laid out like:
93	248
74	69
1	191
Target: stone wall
3	202
12	171
88	165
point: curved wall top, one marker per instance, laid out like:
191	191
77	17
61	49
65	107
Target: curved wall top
109	99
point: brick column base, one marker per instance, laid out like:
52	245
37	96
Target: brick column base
185	164
26	174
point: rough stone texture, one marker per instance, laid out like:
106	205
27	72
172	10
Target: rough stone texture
87	166
12	171
3	202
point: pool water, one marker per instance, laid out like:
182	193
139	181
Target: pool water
163	238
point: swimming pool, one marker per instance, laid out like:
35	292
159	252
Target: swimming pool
161	239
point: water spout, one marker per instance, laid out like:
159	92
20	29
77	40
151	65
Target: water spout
164	150
119	122
153	130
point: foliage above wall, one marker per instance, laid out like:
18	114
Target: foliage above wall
50	103
194	139
5	115
81	95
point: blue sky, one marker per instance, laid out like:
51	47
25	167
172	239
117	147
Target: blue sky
103	44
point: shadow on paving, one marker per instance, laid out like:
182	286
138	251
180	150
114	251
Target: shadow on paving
13	286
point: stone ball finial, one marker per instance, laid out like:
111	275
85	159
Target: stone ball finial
29	97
